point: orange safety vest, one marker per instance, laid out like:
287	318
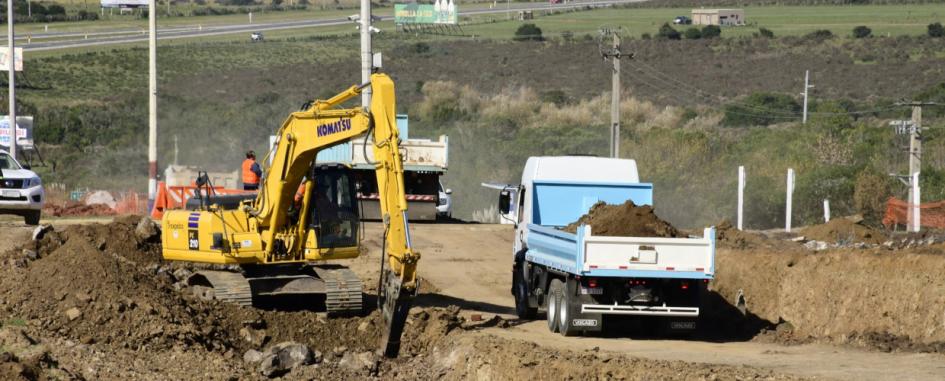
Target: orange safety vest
249	177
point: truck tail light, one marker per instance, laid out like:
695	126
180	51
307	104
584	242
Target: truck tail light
684	285
592	283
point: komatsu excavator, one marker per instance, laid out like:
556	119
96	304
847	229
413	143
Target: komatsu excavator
281	244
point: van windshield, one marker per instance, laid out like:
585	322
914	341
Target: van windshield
7	162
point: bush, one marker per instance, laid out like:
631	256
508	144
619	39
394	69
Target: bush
692	34
862	31
761	109
645	36
528	32
870	193
936	30
668	32
820	34
765	32
711	31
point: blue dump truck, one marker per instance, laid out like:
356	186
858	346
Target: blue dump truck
580	278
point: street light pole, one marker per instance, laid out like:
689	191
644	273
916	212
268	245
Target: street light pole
152	102
367	60
11	59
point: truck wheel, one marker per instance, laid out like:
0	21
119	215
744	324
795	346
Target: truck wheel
565	326
32	217
551	303
520	291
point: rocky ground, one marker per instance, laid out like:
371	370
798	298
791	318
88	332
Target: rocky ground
96	301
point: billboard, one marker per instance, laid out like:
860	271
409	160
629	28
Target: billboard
124	3
24	132
440	12
5	58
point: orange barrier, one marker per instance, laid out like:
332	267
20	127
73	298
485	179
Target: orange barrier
931	214
175	197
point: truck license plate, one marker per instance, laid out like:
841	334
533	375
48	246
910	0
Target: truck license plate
584	322
10	193
592	291
682	325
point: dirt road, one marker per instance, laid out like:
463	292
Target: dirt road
469	265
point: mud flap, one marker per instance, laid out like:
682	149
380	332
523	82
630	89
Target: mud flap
395	304
586	322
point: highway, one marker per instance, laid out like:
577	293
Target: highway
124	36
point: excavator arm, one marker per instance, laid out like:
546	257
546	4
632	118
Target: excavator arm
300	138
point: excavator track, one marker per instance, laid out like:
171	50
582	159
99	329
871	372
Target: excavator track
227	286
343	291
341	287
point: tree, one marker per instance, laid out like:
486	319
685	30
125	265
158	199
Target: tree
862	31
765	32
668	32
528	32
692	34
936	30
711	31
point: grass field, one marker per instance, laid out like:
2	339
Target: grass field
787	20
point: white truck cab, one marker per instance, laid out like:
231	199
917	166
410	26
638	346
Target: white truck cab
21	190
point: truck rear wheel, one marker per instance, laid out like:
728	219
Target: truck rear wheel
552	301
520	292
565	326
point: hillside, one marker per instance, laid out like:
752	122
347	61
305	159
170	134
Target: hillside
501	101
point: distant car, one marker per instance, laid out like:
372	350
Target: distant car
682	20
21	190
556	1
256	37
444	204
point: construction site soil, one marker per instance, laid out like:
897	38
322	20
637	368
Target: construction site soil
627	219
96	301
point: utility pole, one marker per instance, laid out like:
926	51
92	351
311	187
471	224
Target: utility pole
914	128
807	86
11	58
616	55
152	102
367	59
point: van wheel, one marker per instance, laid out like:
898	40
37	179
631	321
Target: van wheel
520	291
565	326
32	217
551	302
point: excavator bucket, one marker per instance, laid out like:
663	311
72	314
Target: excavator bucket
394	301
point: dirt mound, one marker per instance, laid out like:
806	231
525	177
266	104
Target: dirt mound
77	209
843	231
874	298
626	220
728	236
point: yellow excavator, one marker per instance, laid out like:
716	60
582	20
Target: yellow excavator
281	244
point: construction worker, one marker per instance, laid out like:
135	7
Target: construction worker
251	172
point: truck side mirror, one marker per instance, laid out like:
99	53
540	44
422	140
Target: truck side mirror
505	200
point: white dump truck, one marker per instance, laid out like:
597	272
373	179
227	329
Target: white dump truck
579	278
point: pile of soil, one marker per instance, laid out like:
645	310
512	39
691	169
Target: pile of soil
77	209
873	298
843	231
624	220
730	237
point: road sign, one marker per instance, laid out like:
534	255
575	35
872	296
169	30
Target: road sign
24	132
5	59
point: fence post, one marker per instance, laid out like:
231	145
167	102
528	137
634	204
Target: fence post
790	191
826	210
916	200
741	195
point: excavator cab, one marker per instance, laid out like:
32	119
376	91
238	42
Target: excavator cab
334	207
